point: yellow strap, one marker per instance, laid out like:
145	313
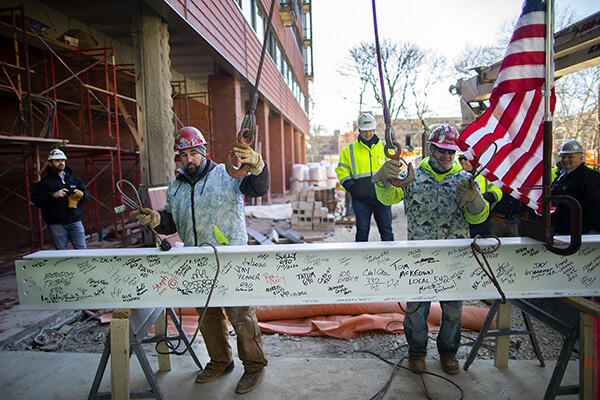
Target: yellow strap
220	237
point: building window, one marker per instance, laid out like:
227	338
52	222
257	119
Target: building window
248	11
257	20
259	28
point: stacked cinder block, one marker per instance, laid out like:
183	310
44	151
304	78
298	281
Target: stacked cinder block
310	214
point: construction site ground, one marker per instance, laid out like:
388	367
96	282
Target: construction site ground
299	367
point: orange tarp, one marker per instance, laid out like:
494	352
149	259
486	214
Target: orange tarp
338	320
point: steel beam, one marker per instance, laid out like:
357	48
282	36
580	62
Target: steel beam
303	274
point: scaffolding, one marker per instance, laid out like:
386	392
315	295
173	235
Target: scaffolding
73	103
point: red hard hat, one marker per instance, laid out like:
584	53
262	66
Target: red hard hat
444	137
188	137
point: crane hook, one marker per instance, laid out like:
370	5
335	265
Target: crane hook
410	176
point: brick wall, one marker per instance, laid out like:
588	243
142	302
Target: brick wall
225	100
276	154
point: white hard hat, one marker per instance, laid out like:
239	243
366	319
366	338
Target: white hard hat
366	122
570	147
56	154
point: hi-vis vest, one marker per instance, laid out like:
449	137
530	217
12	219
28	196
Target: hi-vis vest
358	161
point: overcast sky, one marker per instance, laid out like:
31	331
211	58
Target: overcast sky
445	26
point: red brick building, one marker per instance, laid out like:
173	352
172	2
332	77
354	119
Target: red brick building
111	82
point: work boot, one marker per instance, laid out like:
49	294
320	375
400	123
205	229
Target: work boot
249	381
207	374
450	364
417	364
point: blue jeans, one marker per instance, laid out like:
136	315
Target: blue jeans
416	330
383	218
61	234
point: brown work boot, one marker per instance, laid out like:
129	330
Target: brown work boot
207	374
417	364
249	381
450	364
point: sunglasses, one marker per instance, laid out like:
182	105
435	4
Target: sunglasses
444	151
462	158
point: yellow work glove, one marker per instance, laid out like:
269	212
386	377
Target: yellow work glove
74	198
248	156
147	216
468	192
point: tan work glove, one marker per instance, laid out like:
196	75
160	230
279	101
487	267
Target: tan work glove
248	156
74	198
147	216
468	192
390	169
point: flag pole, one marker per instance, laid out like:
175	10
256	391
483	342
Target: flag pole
549	79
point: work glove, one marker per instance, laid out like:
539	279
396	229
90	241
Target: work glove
389	170
248	156
147	216
74	198
468	192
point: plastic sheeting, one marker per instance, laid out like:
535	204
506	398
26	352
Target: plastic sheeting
344	321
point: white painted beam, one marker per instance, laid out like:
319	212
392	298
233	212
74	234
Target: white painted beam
302	274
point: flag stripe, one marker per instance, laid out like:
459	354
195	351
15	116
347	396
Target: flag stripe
535	29
524	61
514	120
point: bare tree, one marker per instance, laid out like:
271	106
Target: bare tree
576	114
400	61
480	56
431	71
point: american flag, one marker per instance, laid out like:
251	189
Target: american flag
514	120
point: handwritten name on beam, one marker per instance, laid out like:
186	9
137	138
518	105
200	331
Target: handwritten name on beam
302	274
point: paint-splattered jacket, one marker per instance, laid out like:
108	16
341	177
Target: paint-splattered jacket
213	198
430	202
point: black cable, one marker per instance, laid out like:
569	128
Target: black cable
166	340
398	364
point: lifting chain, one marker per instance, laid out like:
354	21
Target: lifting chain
391	144
248	129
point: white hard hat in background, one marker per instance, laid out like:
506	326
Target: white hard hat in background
366	122
56	154
570	147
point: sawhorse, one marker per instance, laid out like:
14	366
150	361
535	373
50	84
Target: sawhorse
501	351
127	334
571	317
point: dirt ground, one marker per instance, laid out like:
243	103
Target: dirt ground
85	334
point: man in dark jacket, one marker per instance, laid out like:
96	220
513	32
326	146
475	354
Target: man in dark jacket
580	182
359	161
60	195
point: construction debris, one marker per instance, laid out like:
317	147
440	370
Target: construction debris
312	209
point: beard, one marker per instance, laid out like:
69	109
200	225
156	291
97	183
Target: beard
191	169
60	168
439	166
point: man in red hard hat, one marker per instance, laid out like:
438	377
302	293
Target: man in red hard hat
205	204
440	203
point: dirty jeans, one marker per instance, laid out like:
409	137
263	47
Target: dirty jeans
62	233
216	337
383	218
416	330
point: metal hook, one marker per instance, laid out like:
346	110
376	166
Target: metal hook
410	176
244	168
576	214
